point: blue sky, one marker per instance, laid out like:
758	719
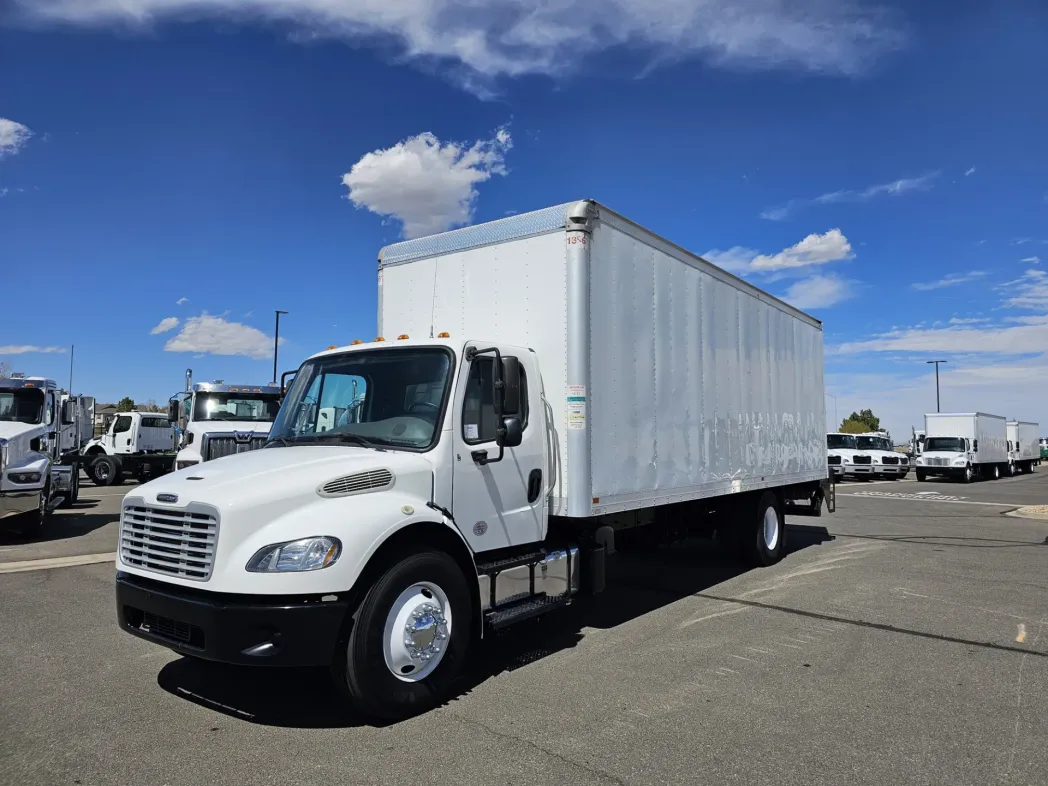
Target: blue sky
171	172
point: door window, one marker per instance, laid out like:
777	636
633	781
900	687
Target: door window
122	424
479	423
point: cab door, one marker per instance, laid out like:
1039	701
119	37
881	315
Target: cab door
498	503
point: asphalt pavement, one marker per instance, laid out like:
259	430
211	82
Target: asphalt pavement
903	640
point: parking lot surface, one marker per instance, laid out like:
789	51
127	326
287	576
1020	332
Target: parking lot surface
903	640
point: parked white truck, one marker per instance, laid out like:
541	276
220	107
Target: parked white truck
541	382
41	432
1024	452
964	446
215	419
843	454
886	462
137	444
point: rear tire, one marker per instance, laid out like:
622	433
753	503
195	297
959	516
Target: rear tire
759	535
409	638
996	471
104	471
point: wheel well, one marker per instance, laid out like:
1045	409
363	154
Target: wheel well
416	537
94	450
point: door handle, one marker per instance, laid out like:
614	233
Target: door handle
534	485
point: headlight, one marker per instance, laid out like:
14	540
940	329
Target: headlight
296	555
3	454
876	460
958	462
847	461
920	461
24	477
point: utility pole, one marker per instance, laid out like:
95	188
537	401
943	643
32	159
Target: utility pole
72	349
276	344
936	364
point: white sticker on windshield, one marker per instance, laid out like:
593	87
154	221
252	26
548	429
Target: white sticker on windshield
472	431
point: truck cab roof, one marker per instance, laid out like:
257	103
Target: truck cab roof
386	343
16	383
222	387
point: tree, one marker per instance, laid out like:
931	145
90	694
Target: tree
126	404
5	370
860	422
151	406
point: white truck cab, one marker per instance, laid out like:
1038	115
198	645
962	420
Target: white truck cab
420	491
216	419
886	462
41	431
845	458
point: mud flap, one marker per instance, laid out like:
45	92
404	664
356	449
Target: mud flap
829	493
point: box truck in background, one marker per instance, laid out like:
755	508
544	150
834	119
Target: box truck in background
540	384
1024	453
964	446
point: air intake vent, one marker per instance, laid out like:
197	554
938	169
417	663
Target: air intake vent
359	483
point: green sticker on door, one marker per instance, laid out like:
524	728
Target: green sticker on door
576	401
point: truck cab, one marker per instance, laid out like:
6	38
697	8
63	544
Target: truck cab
947	457
215	420
40	428
845	458
887	463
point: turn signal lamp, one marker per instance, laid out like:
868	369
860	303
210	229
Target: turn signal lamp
402	336
444	335
333	346
379	338
356	341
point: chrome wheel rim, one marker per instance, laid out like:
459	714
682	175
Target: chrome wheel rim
417	632
771	528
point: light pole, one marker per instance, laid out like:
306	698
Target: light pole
834	409
276	344
936	364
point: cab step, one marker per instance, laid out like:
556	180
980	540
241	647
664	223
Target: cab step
518	611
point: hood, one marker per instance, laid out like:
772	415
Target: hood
276	474
11	429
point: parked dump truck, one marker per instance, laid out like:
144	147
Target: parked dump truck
539	384
963	446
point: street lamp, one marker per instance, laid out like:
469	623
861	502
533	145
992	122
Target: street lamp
276	343
936	364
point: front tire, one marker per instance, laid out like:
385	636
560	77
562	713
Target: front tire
969	474
921	477
104	471
409	638
32	524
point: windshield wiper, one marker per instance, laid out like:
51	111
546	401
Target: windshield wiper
345	436
282	441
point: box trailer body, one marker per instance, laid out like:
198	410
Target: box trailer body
668	378
540	385
1024	451
963	445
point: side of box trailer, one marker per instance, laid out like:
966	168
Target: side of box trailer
668	379
992	433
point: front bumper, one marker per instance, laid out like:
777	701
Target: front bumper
13	503
237	629
941	472
864	470
891	469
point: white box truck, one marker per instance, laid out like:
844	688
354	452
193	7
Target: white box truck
215	419
540	383
42	429
963	446
139	444
1024	452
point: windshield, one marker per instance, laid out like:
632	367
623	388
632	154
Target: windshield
235	406
22	406
388	397
840	441
945	444
873	443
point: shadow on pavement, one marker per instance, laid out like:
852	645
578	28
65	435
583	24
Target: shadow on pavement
64	523
639	582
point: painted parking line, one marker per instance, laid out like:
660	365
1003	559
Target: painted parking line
926	496
56	562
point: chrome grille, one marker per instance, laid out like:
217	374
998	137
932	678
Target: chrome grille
222	445
862	460
358	483
937	462
178	542
833	459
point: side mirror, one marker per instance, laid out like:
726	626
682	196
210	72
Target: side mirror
172	410
512	433
284	383
68	412
511	386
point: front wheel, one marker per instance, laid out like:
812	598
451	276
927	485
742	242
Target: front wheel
969	474
33	523
409	638
920	476
104	471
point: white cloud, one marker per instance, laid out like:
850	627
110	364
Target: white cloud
26	349
968	320
427	185
736	259
951	280
815	249
818	291
181	301
1031	260
898	187
1021	241
13	137
970	171
165	325
479	41
1029	291
207	334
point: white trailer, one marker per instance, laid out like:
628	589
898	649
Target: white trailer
540	384
42	429
1024	452
965	446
